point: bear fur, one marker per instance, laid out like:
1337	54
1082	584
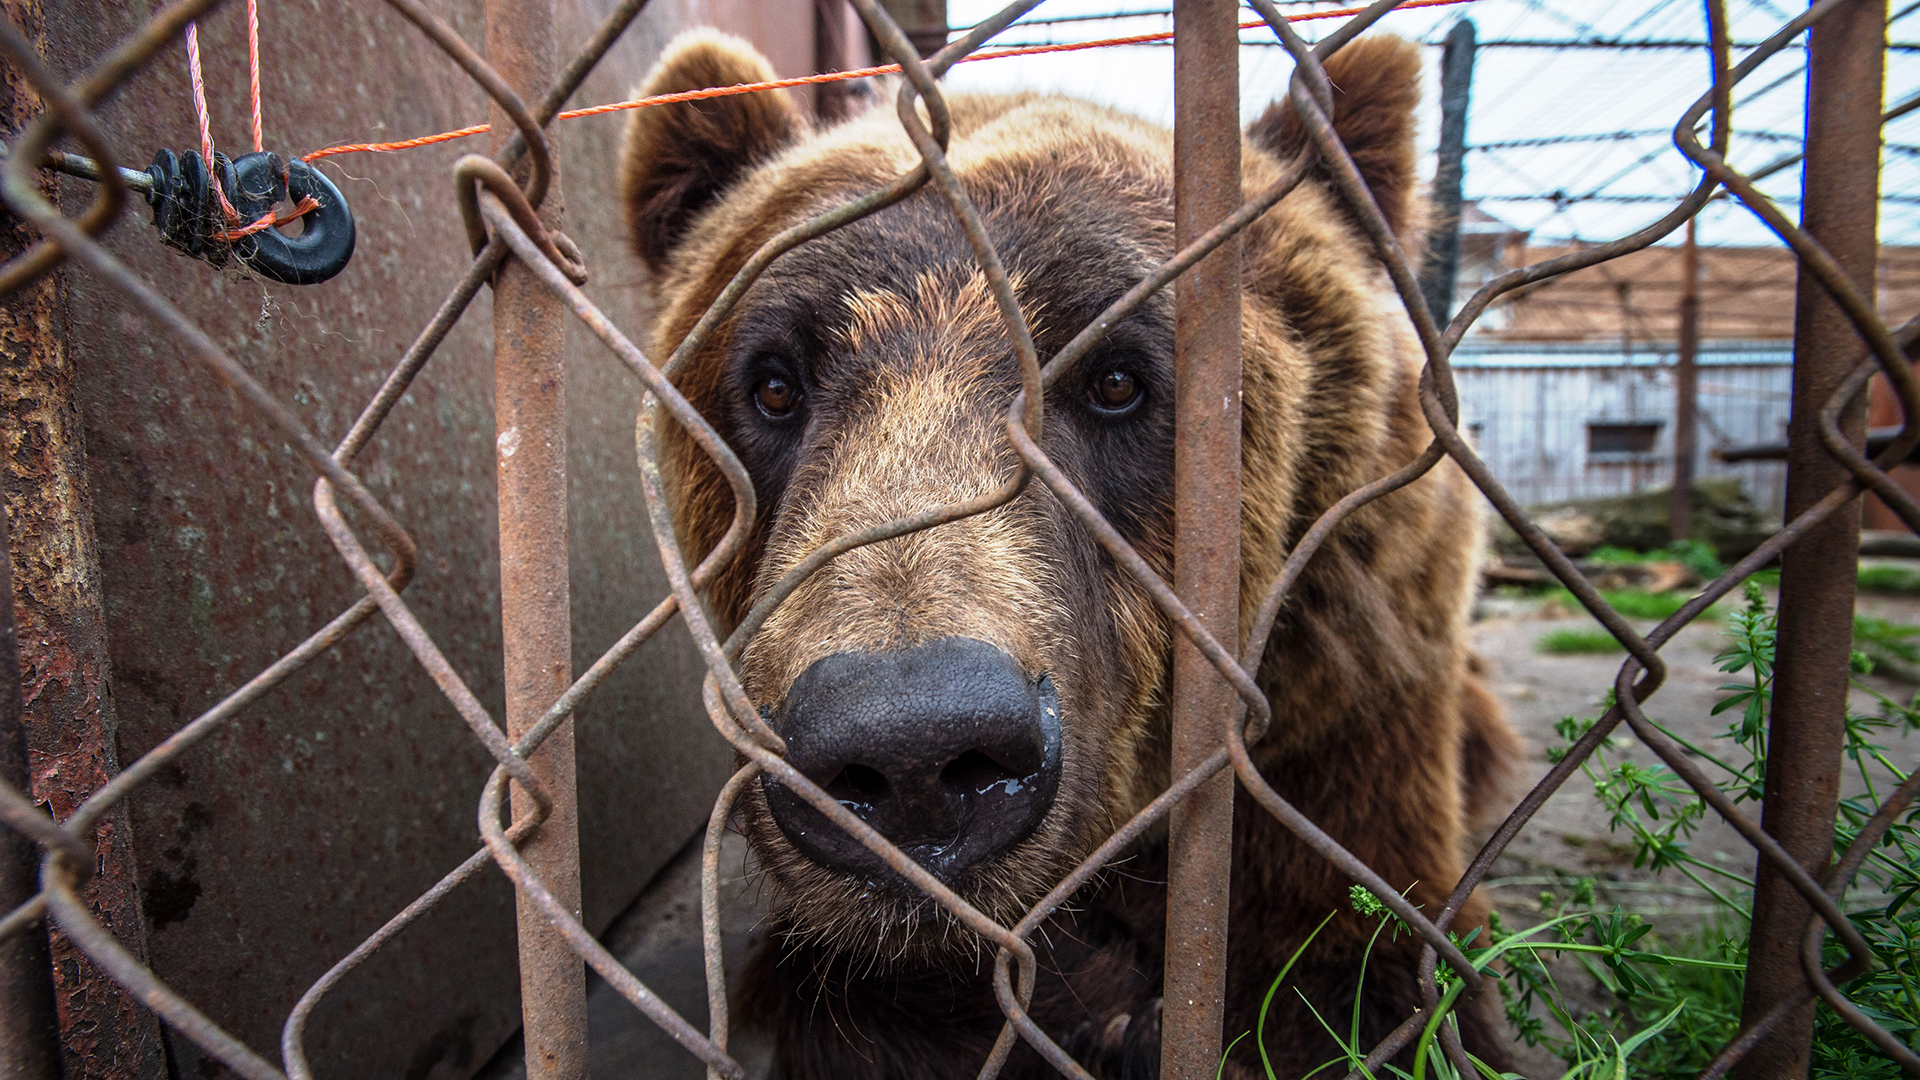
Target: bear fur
886	336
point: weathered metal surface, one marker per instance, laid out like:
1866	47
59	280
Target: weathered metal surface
29	1024
299	829
1206	559
530	406
1807	726
68	714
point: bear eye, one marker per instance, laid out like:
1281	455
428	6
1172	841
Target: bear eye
1115	391
776	397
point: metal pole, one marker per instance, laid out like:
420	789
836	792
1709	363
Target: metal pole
530	408
1206	554
1443	254
29	1026
1686	391
1806	730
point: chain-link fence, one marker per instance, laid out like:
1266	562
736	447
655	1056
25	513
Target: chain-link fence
534	272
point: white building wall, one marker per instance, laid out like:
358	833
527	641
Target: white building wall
1529	406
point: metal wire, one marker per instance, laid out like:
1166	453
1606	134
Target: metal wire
502	225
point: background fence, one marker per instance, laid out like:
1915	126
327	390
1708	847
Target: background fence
205	768
1558	421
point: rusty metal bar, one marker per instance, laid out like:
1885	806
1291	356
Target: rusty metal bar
29	1027
1807	727
530	406
1206	483
1686	390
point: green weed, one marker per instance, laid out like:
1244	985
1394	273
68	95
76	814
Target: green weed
1889	579
1696	555
1574	640
1636	603
1674	992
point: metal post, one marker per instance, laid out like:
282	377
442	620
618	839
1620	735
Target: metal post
1206	484
1806	729
530	406
29	1026
1443	248
58	600
1686	391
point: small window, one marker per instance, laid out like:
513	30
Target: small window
1634	437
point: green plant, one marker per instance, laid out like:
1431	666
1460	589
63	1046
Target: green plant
1636	603
1690	989
1881	639
1673	992
1889	579
1578	639
1696	555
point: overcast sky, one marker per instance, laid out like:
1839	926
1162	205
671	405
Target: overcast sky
1523	93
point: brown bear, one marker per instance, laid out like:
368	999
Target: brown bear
990	694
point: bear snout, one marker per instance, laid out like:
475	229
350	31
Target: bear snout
946	748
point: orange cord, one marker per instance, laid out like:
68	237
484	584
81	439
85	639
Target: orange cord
832	76
253	69
206	125
272	218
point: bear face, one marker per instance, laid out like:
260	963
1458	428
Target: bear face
988	692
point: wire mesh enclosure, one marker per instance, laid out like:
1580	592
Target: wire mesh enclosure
526	810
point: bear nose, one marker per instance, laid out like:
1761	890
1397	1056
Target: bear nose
946	748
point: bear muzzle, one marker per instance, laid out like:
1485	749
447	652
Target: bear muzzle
945	748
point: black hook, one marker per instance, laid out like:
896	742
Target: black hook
188	216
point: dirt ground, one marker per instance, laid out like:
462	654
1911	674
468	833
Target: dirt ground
1569	837
659	938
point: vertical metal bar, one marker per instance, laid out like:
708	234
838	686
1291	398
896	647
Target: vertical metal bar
1206	484
530	406
1443	254
1686	391
29	1028
1806	730
68	715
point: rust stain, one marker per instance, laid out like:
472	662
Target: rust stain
105	1033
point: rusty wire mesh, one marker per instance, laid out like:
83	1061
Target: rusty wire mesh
502	218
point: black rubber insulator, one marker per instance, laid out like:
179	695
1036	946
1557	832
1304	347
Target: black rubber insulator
189	220
326	242
183	206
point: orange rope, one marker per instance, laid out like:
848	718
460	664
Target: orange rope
206	125
253	69
831	76
271	219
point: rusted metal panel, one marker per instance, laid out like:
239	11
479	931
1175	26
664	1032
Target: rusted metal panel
68	716
293	833
29	1023
1807	726
1206	559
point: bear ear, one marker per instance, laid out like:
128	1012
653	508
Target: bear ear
678	158
1376	84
